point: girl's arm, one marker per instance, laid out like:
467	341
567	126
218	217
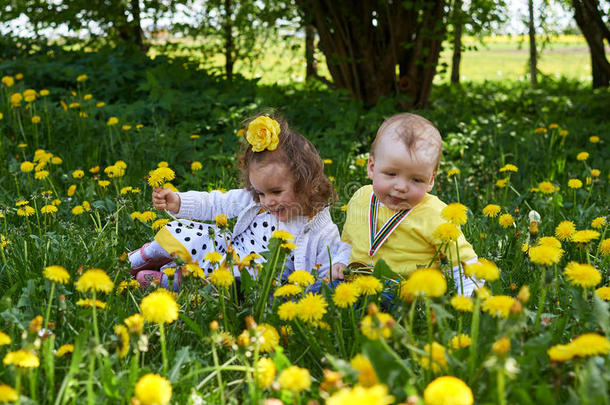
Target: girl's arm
204	206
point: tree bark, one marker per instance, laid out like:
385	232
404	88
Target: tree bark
457	42
131	32
229	45
533	51
311	70
589	19
364	41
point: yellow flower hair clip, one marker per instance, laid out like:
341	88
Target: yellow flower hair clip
263	134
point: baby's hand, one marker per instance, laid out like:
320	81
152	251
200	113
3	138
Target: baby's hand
337	271
166	199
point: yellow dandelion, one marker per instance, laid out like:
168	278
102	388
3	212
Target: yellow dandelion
501	183
598	222
112	121
436	353
56	274
491	210
448	390
288	290
26	211
424	282
64	349
21	359
148	216
152	389
77	210
366	373
221	220
312	307
560	353
498	306
295	379
509	168
94	280
160	306
134	323
5	339
213	257
346	294
583	275
8	394
282	235
123	334
455	213
88	302
222	277
41	175
574	183
78	174
49	209
288	311
590	344
195	166
501	346
460	341
377	394
368	285
27	167
545	255
506	220
160	175
546	187
462	303
604	247
582	156
159	223
585	236
446	232
301	277
265	370
268	337
565	230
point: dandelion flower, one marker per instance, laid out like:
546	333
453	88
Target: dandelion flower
148	216
460	341
213	257
574	183
288	311
498	305
545	255
287	290
312	307
546	187
374	326
590	344
439	359
377	394
195	166
26	167
301	277
288	245
152	389
455	213
368	285
41	175
56	274
295	379
448	390
501	183
160	306
268	337
103	183
424	282
560	353
26	211
77	210
446	232
5	339
48	209
265	368
462	303
483	269
8	394
88	302
565	230
583	275
123	334
604	247
222	277
134	323
366	373
160	175
491	210
94	280
22	359
509	168
506	220
346	294
501	346
64	349
159	223
221	220
585	236
598	222
285	236
78	174
582	156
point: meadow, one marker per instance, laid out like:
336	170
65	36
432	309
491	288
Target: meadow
81	134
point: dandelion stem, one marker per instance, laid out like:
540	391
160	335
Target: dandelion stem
218	374
223	308
163	348
48	313
474	335
94	309
540	306
501	386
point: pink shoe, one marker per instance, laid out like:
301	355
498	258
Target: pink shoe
149	264
148	277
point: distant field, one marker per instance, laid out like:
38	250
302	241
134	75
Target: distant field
495	58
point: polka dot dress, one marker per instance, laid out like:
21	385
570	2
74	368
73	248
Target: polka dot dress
199	239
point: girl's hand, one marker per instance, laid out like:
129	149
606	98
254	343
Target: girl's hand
166	199
337	271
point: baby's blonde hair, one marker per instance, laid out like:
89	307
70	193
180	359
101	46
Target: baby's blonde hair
417	133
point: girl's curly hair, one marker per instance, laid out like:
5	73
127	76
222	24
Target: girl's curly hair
311	186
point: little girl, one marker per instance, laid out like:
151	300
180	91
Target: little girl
284	189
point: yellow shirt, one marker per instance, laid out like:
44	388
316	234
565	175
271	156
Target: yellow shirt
410	245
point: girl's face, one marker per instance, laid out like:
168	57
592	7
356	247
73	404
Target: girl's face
274	185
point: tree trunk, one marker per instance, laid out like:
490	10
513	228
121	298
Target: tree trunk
364	40
533	52
589	19
131	31
457	42
311	70
228	27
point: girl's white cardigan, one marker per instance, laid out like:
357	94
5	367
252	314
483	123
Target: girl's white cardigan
319	235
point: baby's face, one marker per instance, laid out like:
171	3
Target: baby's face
274	186
400	179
